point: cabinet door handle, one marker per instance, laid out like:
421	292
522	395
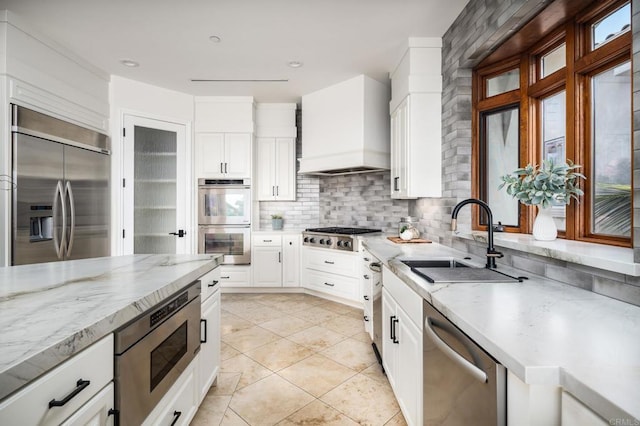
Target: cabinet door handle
221	168
329	262
213	283
366	297
366	277
395	336
225	167
116	415
391	329
366	259
279	257
329	284
176	416
273	190
395	183
277	190
203	340
366	318
80	386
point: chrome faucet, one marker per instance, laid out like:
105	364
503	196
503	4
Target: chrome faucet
492	254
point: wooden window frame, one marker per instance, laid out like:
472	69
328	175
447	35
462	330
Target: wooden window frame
582	63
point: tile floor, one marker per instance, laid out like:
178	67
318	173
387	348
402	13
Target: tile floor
296	359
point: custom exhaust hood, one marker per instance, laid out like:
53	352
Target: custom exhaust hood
345	128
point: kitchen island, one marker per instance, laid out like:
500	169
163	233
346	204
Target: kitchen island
51	311
545	333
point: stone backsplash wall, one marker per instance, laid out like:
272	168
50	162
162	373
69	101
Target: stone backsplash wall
361	200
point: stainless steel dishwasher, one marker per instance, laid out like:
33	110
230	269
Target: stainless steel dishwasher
463	384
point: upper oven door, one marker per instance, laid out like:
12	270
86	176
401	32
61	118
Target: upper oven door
228	205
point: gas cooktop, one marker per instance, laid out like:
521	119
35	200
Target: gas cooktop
343	231
335	237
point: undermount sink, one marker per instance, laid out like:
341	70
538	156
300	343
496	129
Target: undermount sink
456	271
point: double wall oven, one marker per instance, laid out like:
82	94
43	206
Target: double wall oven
224	219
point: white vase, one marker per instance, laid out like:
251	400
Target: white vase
544	227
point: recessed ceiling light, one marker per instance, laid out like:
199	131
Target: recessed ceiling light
294	64
215	39
129	63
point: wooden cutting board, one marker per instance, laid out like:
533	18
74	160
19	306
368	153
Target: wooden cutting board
399	240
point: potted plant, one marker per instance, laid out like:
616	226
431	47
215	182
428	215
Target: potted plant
544	186
276	221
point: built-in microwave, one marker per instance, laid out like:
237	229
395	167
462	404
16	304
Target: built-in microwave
232	241
224	201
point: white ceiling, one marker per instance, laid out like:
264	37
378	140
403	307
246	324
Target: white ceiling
335	39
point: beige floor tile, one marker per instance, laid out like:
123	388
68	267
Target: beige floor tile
250	338
315	300
317	374
338	308
231	418
211	411
250	370
316	338
365	400
362	335
354	313
240	305
344	325
286	326
226	384
397	420
279	354
227	351
375	372
315	314
268	401
290	306
316	414
230	323
352	353
261	314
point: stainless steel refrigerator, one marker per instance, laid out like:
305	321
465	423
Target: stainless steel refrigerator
61	207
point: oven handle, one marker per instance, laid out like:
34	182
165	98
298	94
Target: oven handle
470	368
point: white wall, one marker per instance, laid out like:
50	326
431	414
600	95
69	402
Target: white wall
144	100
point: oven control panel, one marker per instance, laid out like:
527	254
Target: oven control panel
168	309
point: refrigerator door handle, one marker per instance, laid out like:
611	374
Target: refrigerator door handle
59	242
72	214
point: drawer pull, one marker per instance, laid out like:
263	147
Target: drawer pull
176	416
225	278
80	386
329	262
366	318
267	241
116	415
366	297
213	283
329	284
366	277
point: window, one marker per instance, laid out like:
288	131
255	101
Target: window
568	96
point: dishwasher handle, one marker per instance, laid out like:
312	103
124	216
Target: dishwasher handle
469	367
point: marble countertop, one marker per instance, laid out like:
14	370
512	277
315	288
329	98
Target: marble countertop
545	332
50	311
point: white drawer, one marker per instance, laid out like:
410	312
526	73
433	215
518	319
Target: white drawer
408	299
337	285
267	240
179	405
344	263
209	283
235	276
31	404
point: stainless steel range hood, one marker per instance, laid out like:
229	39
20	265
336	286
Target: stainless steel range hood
345	128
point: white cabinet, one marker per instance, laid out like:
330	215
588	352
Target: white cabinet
402	345
532	405
275	260
209	357
76	380
416	109
223	155
96	412
276	163
416	163
179	405
235	275
371	288
575	413
332	272
291	260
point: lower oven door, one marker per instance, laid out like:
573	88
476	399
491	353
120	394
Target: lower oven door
234	242
145	372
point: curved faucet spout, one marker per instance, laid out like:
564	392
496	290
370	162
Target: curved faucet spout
492	254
